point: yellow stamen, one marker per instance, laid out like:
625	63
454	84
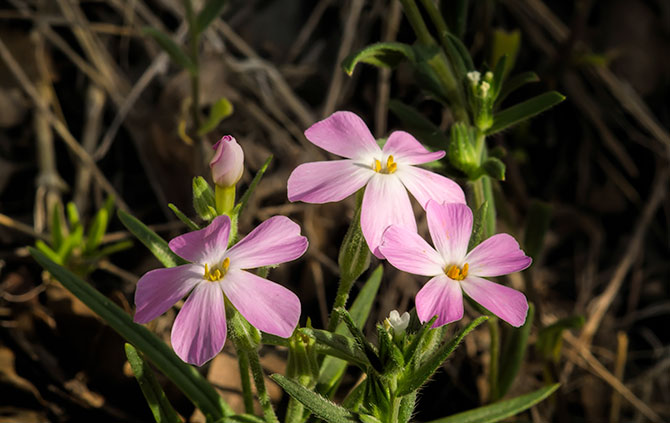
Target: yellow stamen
216	273
391	166
377	167
456	273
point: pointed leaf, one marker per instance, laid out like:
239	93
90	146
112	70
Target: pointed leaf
523	111
152	390
252	186
336	345
185	219
320	406
157	245
72	215
219	111
514	83
500	410
211	11
383	55
97	230
171	48
44	248
185	377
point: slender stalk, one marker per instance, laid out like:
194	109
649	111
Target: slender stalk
416	20
340	301
259	380
243	362
225	199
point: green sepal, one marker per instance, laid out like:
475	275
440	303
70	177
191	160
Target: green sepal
390	355
185	219
412	379
383	55
203	199
354	256
171	48
157	245
500	410
523	111
317	404
514	345
461	152
152	390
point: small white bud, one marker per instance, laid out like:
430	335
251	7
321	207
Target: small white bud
398	322
474	77
484	88
488	76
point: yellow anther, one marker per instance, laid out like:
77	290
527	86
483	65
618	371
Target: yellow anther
456	273
226	264
377	166
216	273
391	166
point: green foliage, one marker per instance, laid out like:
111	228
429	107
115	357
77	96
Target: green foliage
418	125
203	199
354	256
514	83
478	224
550	339
506	44
383	55
172	49
523	111
157	245
495	168
252	186
185	219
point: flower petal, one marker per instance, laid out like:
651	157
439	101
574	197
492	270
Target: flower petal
344	134
385	203
497	255
450	227
323	182
407	251
207	245
503	301
268	306
160	289
407	150
441	296
277	240
199	330
425	185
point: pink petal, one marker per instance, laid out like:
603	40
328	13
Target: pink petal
344	134
450	227
385	203
206	245
407	251
441	296
268	306
425	185
503	301
323	182
160	289
277	240
406	149
497	255
199	330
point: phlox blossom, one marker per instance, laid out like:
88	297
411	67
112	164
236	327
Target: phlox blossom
453	269
199	330
388	173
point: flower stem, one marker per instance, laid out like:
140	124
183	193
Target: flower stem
247	395
340	301
259	380
225	199
416	20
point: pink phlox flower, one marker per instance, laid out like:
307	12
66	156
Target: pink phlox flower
453	269
388	173
199	330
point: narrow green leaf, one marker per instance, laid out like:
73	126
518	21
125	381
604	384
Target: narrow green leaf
456	14
96	230
460	55
157	245
208	13
72	215
185	377
407	404
411	380
383	55
514	83
515	343
320	406
537	224
418	339
171	48
181	216
500	410
417	124
203	199
370	350
69	243
478	225
51	254
152	390
495	168
252	186
522	111
337	345
219	111
498	77
57	230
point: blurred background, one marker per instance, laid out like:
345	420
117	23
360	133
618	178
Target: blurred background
92	108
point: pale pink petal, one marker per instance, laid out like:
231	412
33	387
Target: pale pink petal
160	289
441	296
450	227
268	306
385	203
497	255
407	150
407	251
344	134
324	182
425	185
277	240
503	301
205	245
199	330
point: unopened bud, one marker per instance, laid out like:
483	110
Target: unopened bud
398	322
228	162
474	77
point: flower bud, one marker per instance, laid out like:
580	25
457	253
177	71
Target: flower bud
461	152
398	322
228	162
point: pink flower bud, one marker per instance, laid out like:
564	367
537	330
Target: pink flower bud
228	162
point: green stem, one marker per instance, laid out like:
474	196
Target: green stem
416	20
224	198
243	362
259	380
494	331
340	301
